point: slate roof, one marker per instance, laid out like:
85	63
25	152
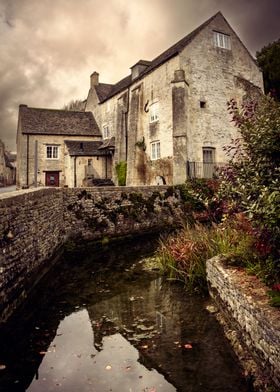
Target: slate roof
57	122
108	144
103	90
159	60
84	148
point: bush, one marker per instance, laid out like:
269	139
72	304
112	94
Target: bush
121	169
251	181
183	256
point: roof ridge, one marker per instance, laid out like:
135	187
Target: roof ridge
53	109
164	56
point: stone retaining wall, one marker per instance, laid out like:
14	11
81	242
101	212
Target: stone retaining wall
31	231
243	299
34	224
93	213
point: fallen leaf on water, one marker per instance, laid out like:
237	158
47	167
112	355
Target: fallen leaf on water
2	367
188	346
108	367
145	346
43	352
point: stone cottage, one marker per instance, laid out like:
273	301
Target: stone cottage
169	116
59	148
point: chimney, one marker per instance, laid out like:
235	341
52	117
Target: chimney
94	79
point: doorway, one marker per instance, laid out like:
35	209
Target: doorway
52	178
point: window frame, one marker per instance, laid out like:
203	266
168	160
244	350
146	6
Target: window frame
208	152
54	152
155	150
106	131
221	40
154	112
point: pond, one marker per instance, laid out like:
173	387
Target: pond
105	320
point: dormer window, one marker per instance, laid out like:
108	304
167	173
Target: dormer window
154	116
222	40
106	132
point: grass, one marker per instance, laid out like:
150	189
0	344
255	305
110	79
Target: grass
183	256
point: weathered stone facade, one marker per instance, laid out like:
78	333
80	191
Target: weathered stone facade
243	300
42	138
190	84
35	224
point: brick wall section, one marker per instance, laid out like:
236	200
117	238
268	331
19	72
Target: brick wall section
31	231
244	299
93	213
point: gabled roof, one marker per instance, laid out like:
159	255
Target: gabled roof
57	122
103	90
159	60
84	148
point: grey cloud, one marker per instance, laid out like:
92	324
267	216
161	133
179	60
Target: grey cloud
49	48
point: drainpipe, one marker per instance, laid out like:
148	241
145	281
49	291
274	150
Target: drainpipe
106	167
27	161
126	127
75	173
36	164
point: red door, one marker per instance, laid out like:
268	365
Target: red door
52	178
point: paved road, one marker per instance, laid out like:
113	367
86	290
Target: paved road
7	189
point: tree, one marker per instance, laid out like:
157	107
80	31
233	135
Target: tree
269	61
75	105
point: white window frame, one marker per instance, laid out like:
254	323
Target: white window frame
52	151
222	40
154	112
155	150
106	131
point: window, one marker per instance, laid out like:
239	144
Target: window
155	150
222	40
106	132
52	152
154	112
208	162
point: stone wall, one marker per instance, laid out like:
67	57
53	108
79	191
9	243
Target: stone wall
243	300
31	232
35	224
94	213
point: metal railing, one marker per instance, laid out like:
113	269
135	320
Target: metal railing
203	169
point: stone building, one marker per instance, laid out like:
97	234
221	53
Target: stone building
7	166
165	122
59	148
169	116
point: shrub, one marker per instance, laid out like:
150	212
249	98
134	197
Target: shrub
251	182
121	169
183	256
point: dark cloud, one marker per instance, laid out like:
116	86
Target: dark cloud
49	48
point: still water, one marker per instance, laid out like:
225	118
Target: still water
104	320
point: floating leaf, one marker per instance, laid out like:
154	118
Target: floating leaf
188	346
2	367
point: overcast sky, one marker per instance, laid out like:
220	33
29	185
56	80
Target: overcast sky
49	48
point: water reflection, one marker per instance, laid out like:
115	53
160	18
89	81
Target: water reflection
104	323
72	363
